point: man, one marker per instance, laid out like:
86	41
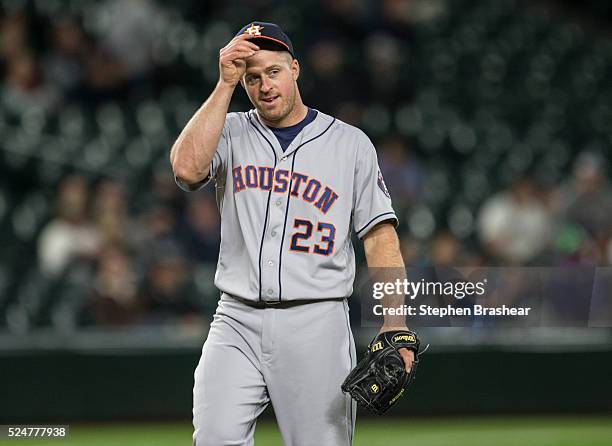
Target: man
291	182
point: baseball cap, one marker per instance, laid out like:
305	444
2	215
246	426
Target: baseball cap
268	36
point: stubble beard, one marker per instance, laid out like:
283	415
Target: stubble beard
286	107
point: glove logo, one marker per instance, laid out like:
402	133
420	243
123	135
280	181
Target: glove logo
377	346
396	397
405	338
374	388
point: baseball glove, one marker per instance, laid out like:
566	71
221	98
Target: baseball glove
380	378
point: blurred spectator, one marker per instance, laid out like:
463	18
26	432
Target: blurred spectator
165	192
396	17
63	65
573	246
110	213
115	298
25	87
105	77
472	258
14	36
587	200
350	112
126	34
70	235
157	236
514	225
445	250
168	293
403	172
387	82
200	234
411	250
347	17
327	87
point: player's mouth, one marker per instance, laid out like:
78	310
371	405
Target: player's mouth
269	100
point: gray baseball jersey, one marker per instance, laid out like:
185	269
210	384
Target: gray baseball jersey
286	216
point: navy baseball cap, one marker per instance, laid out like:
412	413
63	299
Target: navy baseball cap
268	36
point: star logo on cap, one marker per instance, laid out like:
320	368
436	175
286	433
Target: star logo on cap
254	30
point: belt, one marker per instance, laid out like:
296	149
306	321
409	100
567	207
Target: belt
281	303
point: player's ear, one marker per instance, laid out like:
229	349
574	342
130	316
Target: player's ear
295	69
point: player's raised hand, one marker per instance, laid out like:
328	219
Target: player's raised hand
232	58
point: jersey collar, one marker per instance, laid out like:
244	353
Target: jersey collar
320	123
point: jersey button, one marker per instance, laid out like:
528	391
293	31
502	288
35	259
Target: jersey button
270	292
279	202
284	158
273	233
270	263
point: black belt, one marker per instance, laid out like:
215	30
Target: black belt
281	303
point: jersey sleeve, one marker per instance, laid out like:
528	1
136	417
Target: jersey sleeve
217	164
372	202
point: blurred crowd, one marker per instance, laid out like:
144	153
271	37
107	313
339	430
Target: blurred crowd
529	223
139	265
148	257
54	54
141	262
51	60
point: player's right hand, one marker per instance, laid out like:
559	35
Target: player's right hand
232	58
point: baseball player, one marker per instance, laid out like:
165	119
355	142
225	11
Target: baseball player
292	183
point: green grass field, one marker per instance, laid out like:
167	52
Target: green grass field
510	431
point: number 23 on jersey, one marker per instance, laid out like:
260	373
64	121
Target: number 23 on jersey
324	237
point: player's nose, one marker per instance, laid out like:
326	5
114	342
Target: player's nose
265	85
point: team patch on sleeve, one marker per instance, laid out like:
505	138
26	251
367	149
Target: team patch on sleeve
382	185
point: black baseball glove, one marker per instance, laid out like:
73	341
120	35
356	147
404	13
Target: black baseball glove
380	378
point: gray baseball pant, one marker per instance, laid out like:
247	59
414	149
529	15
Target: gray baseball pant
294	356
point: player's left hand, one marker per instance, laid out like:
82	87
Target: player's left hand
407	355
379	379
